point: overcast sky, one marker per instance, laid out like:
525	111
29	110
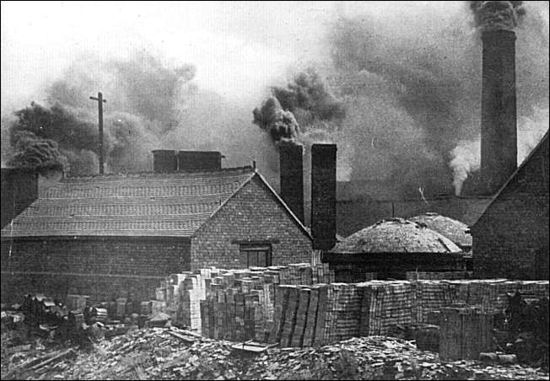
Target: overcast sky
237	47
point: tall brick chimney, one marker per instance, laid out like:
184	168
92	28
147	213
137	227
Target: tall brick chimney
323	196
498	109
193	161
165	161
291	169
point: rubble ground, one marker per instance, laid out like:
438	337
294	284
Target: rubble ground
162	353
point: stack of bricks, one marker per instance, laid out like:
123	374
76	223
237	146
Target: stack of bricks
300	305
343	312
179	296
465	333
252	304
385	305
431	295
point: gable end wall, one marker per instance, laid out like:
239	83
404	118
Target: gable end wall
510	240
252	214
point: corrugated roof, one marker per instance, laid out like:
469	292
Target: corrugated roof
146	204
396	235
456	231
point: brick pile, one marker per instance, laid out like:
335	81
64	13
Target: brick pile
385	305
234	304
465	333
300	305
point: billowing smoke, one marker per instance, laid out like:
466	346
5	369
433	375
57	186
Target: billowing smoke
497	15
304	107
38	154
407	74
280	124
308	98
412	86
305	112
532	82
145	110
466	156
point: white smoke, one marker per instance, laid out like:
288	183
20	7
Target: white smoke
465	159
530	132
466	156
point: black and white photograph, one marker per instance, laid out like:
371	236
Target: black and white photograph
286	190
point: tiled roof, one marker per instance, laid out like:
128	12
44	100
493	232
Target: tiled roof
396	236
146	204
456	231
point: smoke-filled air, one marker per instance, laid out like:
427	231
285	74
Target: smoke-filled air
397	86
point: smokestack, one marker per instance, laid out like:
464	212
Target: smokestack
497	20
292	177
165	161
498	109
323	196
193	161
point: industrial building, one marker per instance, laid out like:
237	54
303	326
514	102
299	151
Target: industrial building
510	240
117	235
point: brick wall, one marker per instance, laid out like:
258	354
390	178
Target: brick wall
511	238
251	215
101	268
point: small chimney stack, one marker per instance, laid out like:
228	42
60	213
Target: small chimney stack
19	190
165	161
323	196
498	109
197	161
291	170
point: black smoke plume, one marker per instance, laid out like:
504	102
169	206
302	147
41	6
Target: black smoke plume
302	111
280	124
142	107
41	155
308	96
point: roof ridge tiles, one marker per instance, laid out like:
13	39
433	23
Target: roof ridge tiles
147	175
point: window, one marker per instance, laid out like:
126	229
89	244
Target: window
256	255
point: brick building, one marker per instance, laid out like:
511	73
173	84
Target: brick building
511	238
117	235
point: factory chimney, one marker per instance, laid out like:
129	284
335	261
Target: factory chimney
323	196
291	170
498	103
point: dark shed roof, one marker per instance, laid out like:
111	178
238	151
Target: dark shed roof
145	204
456	231
396	235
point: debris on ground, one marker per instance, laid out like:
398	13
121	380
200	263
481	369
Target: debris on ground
173	353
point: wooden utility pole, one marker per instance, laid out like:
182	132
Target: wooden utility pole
100	101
